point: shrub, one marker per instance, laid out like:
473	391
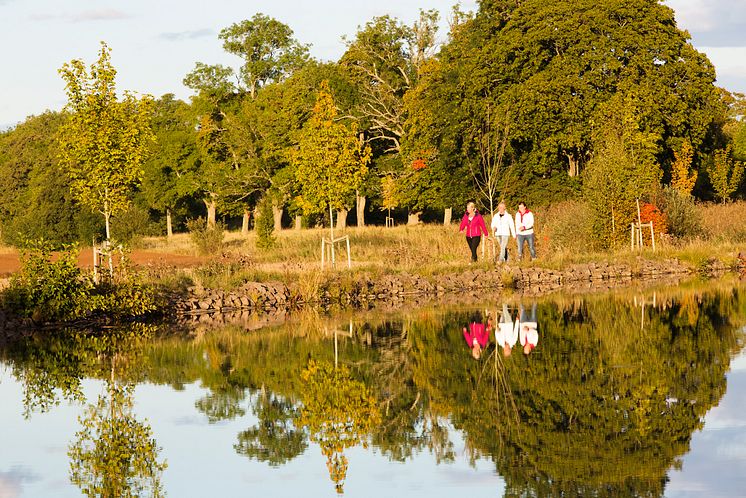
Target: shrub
47	289
684	218
265	226
567	227
208	240
132	225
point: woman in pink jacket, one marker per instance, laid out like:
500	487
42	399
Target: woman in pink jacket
474	225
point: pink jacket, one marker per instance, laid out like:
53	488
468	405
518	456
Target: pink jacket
477	331
475	227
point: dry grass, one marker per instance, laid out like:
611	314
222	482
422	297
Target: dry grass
430	249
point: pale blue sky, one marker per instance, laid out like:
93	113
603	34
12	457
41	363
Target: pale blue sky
155	43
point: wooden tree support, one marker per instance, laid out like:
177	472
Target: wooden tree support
328	252
636	235
389	222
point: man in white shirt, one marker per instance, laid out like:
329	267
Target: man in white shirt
502	228
524	226
506	334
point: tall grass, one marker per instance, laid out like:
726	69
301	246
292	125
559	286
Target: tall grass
563	237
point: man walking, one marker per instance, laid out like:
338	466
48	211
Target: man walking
524	226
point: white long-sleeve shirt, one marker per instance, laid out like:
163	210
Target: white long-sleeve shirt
503	225
507	333
526	221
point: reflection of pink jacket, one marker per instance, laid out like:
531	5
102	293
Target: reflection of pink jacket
476	331
475	227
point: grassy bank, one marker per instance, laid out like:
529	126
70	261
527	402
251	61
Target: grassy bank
422	249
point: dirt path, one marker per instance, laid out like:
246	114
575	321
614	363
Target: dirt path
9	261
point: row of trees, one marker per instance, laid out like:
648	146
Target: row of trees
524	100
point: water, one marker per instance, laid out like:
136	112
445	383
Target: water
634	393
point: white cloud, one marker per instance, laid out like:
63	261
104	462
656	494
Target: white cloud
187	35
100	15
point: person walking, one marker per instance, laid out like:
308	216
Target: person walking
502	228
474	225
524	226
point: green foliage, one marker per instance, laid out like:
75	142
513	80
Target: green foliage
265	225
684	218
274	439
338	412
207	239
725	173
623	168
105	140
132	225
267	47
330	163
51	287
47	288
114	454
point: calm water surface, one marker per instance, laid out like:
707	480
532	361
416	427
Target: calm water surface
636	393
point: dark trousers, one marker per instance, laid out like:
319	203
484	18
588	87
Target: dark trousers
473	244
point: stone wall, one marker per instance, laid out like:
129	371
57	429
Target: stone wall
276	297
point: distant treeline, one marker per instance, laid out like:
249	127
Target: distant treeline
602	101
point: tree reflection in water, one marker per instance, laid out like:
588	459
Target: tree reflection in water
339	412
114	454
606	406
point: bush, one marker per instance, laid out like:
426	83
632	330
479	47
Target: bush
208	240
46	289
567	227
132	225
684	218
265	226
49	288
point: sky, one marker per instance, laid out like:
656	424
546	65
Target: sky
155	43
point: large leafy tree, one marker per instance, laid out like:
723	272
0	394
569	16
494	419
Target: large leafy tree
165	184
268	49
553	66
232	169
105	140
35	197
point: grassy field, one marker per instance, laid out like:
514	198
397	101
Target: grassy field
424	249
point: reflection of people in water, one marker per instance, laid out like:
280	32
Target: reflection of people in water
477	336
529	334
506	334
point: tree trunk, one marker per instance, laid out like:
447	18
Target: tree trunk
298	222
413	218
277	215
211	205
342	218
360	201
169	225
245	221
107	219
447	216
574	166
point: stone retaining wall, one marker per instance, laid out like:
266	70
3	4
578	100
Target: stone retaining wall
276	296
